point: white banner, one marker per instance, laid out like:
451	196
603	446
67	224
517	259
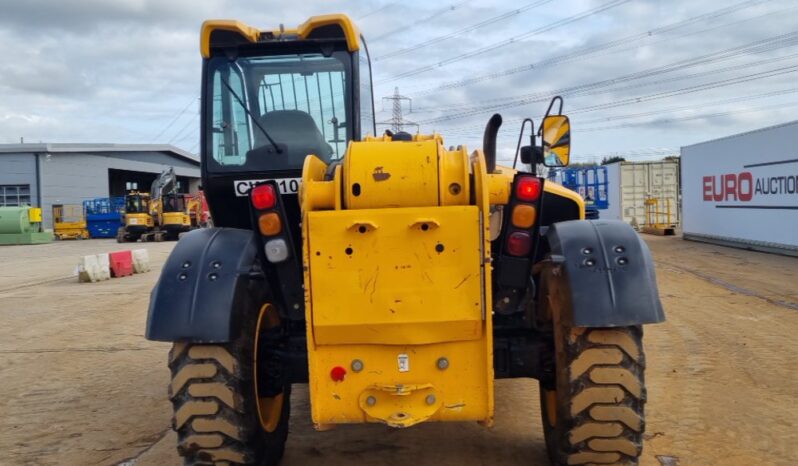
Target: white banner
743	187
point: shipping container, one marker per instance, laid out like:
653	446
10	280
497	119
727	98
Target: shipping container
742	190
629	184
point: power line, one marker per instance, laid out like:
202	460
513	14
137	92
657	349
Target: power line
377	10
179	114
562	22
188	124
690	107
691	89
595	48
764	45
464	30
472	129
418	22
693	117
194	132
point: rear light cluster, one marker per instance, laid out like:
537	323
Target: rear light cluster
524	215
270	224
264	197
528	189
519	243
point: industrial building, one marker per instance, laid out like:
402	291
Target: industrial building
48	175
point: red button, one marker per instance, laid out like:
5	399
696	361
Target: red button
337	373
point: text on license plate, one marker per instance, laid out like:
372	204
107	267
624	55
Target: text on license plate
285	185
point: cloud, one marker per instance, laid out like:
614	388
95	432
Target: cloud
122	70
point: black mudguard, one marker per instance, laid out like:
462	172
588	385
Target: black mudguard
610	273
209	279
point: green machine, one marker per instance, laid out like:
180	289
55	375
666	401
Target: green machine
22	225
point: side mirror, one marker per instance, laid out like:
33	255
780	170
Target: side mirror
556	140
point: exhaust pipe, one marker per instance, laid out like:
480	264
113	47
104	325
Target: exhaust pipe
489	141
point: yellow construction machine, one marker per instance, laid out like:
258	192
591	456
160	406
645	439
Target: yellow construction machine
136	220
396	277
171	215
168	208
69	222
162	214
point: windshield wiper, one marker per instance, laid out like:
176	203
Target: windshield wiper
249	114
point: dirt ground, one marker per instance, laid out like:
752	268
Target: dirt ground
79	385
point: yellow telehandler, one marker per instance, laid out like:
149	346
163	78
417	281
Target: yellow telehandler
396	277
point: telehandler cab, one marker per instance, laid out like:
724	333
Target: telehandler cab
398	279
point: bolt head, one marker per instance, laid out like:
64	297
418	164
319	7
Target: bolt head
371	401
430	399
357	365
442	364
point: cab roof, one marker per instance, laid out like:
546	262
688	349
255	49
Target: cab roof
218	32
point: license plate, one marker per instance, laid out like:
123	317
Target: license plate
133	221
285	185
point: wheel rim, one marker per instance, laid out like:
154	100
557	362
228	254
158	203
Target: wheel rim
269	408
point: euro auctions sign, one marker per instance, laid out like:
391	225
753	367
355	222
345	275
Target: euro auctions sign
746	187
743	188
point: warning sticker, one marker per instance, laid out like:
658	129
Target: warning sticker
404	362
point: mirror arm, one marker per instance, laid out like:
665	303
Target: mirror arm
535	159
521	136
548	111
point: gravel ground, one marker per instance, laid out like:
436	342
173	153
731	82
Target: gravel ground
79	385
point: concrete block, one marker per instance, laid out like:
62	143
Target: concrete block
141	261
89	269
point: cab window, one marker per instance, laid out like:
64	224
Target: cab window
269	113
366	93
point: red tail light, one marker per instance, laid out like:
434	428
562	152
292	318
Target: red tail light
519	243
528	189
264	197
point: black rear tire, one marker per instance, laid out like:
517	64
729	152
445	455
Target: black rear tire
593	412
215	408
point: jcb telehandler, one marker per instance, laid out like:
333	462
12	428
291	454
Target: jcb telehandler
397	278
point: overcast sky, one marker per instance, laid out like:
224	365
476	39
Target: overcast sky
640	78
